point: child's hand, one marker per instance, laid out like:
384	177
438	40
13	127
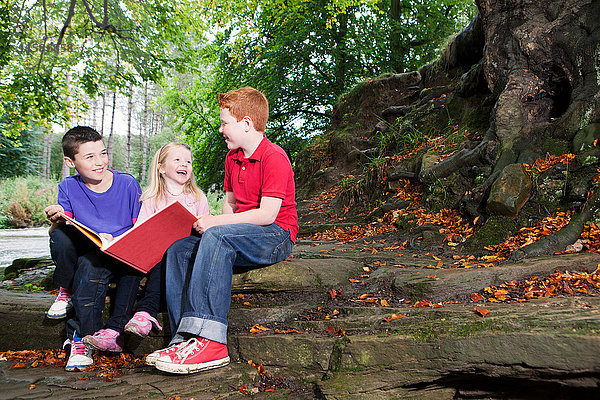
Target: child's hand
107	236
204	222
52	212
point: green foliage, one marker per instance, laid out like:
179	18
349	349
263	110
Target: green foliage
18	152
303	56
215	202
112	44
23	199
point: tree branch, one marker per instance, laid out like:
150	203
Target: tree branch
66	24
309	112
37	71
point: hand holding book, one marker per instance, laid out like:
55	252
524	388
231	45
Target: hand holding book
143	246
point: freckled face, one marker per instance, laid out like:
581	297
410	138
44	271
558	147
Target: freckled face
232	130
177	168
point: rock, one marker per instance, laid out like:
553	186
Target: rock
306	274
510	191
584	138
428	160
21	264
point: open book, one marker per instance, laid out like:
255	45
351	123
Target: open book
143	246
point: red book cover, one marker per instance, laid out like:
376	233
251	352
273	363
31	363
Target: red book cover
143	246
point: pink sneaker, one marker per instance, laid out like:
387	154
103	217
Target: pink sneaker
155	355
198	355
106	340
141	324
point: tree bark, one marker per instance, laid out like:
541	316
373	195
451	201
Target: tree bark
111	133
103	112
129	112
144	135
46	155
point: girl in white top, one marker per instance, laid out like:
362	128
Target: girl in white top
171	179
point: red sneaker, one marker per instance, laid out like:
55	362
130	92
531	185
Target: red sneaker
155	355
198	354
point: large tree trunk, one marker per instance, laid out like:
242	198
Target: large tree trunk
538	61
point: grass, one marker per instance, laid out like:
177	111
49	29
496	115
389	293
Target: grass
23	199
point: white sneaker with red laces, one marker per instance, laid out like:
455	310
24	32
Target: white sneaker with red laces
198	354
80	357
62	304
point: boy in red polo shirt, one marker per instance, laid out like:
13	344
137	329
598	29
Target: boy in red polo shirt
258	227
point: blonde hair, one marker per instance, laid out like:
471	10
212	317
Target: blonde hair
157	188
246	101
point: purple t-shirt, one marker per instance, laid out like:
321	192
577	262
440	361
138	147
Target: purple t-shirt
114	211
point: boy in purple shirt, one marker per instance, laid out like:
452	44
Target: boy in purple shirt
106	201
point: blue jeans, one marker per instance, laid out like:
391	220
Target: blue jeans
151	300
199	292
67	244
92	276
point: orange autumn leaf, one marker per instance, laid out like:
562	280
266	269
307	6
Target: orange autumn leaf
477	297
422	304
370	300
257	328
356	281
393	317
384	303
482	311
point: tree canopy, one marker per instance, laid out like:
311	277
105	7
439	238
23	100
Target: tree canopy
58	54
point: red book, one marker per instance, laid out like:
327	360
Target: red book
143	246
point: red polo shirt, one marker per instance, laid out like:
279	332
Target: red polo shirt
267	172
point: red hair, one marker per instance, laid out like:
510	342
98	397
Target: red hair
247	102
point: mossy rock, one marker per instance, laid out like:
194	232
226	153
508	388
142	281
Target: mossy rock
584	139
495	230
18	265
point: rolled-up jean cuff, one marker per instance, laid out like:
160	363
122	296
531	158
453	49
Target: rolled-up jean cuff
206	328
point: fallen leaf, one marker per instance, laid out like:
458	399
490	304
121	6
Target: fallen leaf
482	311
257	328
393	317
477	297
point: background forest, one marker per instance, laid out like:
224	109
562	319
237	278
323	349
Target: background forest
145	73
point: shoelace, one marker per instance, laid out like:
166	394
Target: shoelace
190	347
78	348
63	294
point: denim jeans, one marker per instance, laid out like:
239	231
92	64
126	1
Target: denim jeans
151	300
67	244
93	273
198	288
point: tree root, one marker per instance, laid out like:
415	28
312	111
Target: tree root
558	241
461	158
